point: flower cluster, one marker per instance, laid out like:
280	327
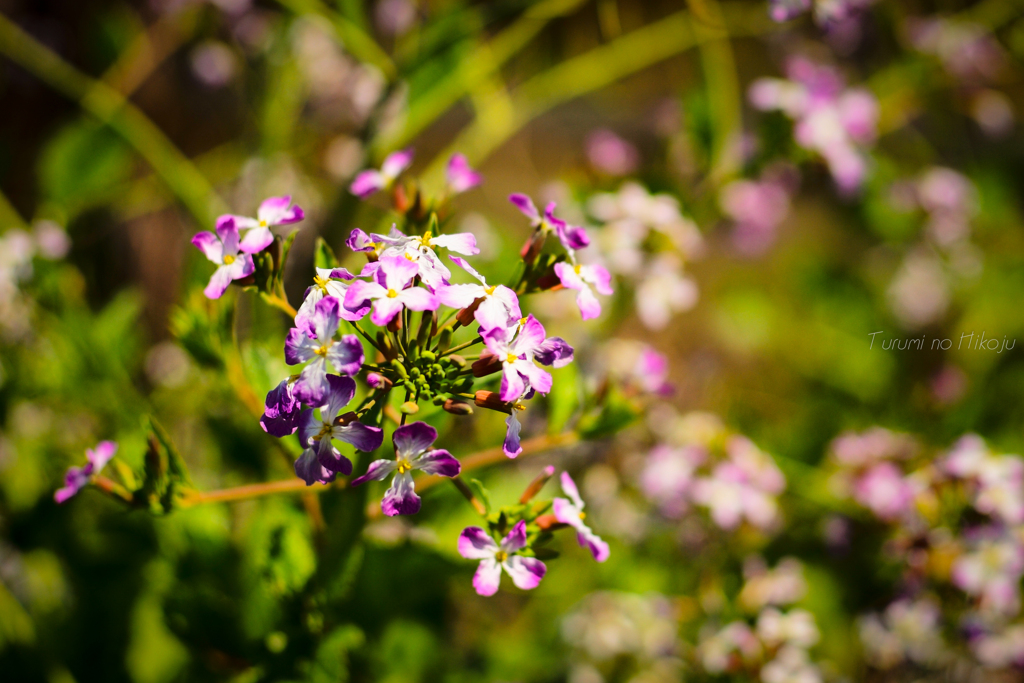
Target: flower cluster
728	475
959	518
408	274
775	648
830	119
646	240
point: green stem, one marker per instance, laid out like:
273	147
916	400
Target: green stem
456	349
111	108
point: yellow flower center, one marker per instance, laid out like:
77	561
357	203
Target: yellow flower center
425	240
511	358
490	290
518	406
322	351
392	294
577	268
403	466
583	515
263	223
501	556
324	431
228	259
409	256
321	283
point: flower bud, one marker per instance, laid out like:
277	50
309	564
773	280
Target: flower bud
409	408
444	340
457	407
465	316
487	365
490	399
537	484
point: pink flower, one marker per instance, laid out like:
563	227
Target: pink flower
757	209
992	573
572	237
273	211
580	277
370	181
884	491
668	476
77	477
390	293
476	544
611	154
518	348
222	249
571	512
460	176
499	304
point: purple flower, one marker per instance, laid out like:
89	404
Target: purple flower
476	544
77	477
411	443
500	304
580	277
281	413
784	10
757	208
518	355
389	294
273	211
222	249
460	176
884	491
321	456
571	512
360	241
420	249
510	446
571	236
316	343
668	477
327	282
372	180
611	154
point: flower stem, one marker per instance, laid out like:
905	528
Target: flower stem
465	491
456	349
278	301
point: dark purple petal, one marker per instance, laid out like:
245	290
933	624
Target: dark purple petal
340	391
309	469
325	318
525	204
359	241
572	236
346	355
554	351
331	459
281	414
401	498
298	347
511	447
439	462
412	439
516	539
363	437
74	481
308	427
476	544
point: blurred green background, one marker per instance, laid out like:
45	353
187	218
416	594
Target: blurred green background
133	124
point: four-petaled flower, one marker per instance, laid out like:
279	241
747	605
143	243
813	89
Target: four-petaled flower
389	294
327	282
223	250
411	442
273	211
315	342
498	304
571	512
571	236
321	461
476	544
460	176
580	277
372	180
281	411
518	355
77	477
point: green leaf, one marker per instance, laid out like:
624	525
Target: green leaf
198	327
323	255
176	467
83	164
